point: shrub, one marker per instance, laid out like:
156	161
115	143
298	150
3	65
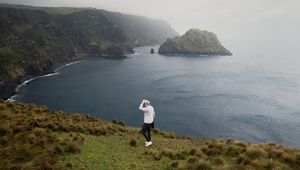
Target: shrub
181	155
182	165
150	151
100	131
258	163
118	122
10	105
3	132
297	159
288	159
174	164
275	154
3	140
202	165
168	135
133	143
58	149
234	151
255	153
242	159
239	167
155	131
157	157
193	151
69	165
168	153
217	161
46	162
212	151
270	165
23	155
72	148
191	159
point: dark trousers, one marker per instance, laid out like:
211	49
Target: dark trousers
146	131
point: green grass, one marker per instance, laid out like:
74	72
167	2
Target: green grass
114	152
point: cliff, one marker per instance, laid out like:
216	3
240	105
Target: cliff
33	39
35	137
194	41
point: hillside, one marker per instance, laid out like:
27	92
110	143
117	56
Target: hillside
194	42
35	137
33	39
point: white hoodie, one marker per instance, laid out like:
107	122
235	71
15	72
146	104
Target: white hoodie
149	113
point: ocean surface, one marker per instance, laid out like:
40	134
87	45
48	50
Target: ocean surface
252	97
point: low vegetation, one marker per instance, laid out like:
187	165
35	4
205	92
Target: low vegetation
35	137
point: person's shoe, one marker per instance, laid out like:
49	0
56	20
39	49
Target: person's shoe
148	143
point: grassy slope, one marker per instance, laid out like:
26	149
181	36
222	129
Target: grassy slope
35	137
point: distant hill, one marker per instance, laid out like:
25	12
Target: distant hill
35	137
33	39
194	41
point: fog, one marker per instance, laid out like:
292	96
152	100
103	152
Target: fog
269	25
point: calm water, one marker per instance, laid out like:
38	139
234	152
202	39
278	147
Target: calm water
250	98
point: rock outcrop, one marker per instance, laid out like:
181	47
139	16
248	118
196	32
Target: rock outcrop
194	42
152	51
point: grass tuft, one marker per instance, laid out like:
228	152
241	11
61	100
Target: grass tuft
133	143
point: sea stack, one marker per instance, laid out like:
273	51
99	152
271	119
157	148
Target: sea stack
194	42
152	51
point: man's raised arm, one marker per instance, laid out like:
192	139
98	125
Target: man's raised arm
141	106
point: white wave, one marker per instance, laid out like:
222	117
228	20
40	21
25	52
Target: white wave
135	53
68	64
16	96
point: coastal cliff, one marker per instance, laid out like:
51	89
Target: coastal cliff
194	42
33	39
36	137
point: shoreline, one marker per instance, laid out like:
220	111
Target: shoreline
14	85
52	71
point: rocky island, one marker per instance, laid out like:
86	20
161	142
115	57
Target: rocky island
194	41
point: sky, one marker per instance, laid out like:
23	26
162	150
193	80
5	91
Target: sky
234	21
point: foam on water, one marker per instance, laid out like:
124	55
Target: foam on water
17	95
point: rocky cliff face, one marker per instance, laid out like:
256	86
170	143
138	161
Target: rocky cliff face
141	30
194	41
32	39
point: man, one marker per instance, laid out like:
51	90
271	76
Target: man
149	115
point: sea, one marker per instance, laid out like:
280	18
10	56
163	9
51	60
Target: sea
253	97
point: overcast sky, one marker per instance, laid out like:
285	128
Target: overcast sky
234	21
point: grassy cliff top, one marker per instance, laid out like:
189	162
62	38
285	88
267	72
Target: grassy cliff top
35	137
